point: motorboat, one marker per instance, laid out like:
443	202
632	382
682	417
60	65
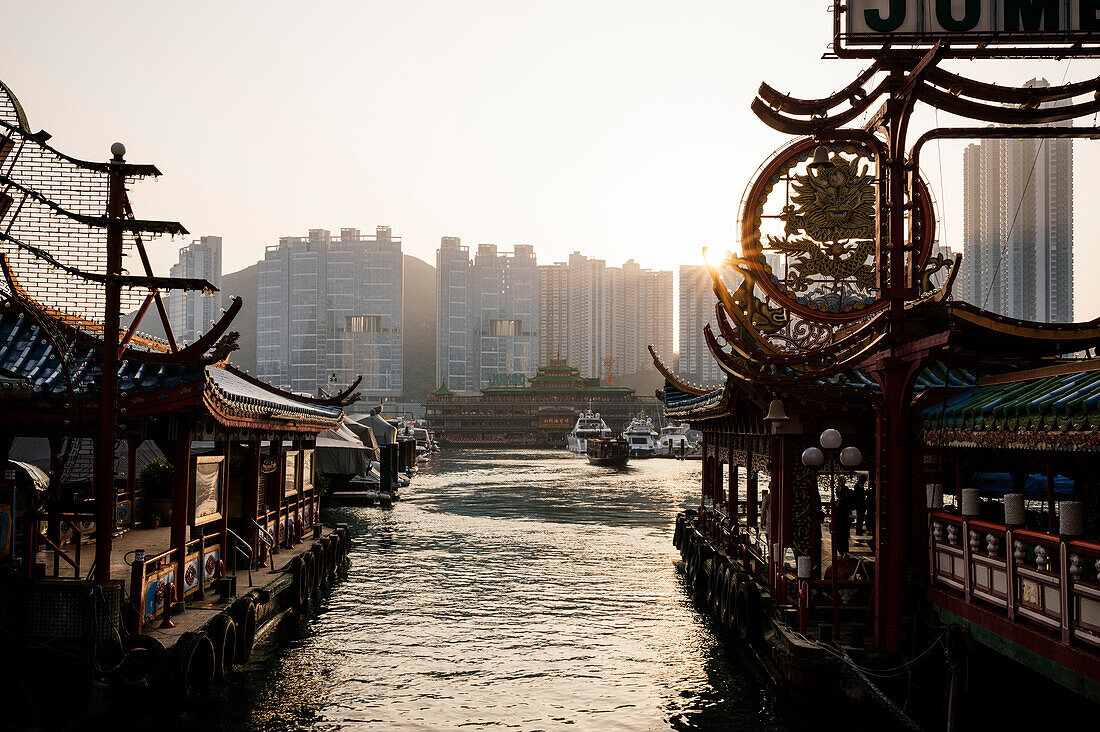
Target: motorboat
678	440
589	425
610	452
641	437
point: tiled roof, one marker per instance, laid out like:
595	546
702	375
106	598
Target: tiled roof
251	398
682	405
1061	402
27	353
29	362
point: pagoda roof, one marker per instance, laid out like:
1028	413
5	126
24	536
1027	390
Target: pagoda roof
31	367
442	390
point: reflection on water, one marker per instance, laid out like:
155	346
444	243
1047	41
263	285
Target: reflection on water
515	591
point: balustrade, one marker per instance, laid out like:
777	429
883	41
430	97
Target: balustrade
1041	579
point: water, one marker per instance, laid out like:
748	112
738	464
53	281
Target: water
508	591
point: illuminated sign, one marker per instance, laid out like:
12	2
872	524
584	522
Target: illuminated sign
980	27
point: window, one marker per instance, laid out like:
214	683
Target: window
505	327
363	323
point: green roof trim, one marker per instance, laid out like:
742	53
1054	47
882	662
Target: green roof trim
1059	402
442	390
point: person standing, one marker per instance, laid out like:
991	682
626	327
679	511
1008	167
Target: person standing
859	498
842	520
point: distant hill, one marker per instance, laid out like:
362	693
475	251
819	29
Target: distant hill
243	284
418	316
419	327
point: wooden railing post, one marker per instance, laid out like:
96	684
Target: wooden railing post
1010	571
181	481
137	591
1065	584
965	539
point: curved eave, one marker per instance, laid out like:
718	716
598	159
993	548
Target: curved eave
671	376
231	415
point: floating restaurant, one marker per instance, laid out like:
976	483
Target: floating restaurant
966	443
535	412
114	580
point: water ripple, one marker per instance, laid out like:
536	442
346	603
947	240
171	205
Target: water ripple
528	592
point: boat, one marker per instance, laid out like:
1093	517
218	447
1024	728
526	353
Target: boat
641	437
589	425
678	440
611	452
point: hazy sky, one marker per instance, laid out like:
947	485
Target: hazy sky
620	129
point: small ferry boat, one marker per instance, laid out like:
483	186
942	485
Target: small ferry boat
641	437
589	425
612	452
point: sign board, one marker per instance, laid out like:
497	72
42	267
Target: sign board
550	421
514	379
1036	28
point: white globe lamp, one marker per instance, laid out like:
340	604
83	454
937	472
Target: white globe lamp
850	457
812	457
830	439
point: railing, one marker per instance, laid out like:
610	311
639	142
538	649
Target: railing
239	549
151	576
1040	579
267	539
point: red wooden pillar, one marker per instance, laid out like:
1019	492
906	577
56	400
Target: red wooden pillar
731	505
131	474
226	555
103	480
181	489
275	492
251	499
898	506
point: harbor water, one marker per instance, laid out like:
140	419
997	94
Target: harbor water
508	590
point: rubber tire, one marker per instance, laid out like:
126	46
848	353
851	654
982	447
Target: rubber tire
678	532
143	660
223	635
727	583
244	617
731	600
749	612
319	571
301	575
194	657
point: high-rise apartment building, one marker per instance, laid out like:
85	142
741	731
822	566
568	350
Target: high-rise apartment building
697	301
488	314
1018	227
601	319
453	363
329	310
189	311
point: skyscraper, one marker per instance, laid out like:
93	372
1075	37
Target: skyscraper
591	313
488	314
1018	227
329	309
454	364
189	311
697	301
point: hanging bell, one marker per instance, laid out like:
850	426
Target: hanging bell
821	158
776	412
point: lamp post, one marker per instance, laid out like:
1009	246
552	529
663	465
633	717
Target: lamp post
813	457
